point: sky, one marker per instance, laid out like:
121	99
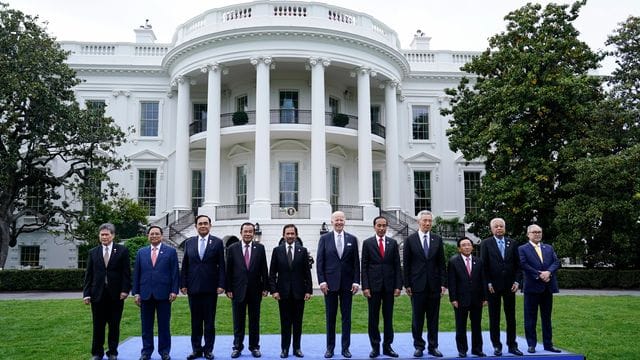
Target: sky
451	24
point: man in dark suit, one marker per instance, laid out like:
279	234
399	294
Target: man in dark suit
156	282
502	274
203	278
338	270
290	283
425	281
539	265
467	293
381	282
107	283
247	282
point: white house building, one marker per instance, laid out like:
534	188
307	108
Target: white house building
275	112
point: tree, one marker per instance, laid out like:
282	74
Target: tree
531	103
50	147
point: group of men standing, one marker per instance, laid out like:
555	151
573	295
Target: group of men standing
492	278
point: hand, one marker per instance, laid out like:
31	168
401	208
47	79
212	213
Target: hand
136	299
276	295
307	297
183	291
366	293
396	292
220	290
408	291
514	287
484	303
265	293
354	288
123	295
443	290
172	297
87	300
230	294
491	289
455	304
324	288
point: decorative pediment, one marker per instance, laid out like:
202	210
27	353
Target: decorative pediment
337	151
289	145
462	161
422	157
238	150
147	155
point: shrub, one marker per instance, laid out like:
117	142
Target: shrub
46	279
240	118
340	119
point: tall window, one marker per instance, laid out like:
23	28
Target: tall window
334	105
241	189
335	188
420	122
95	104
199	117
147	190
149	111
471	186
288	107
242	103
30	255
289	184
35	200
377	189
375	114
91	193
422	189
197	189
82	258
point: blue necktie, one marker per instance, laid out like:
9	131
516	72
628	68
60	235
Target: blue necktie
426	245
501	246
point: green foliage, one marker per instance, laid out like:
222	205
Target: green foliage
240	118
598	279
48	143
340	119
41	280
133	245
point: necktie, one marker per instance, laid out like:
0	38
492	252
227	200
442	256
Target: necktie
426	245
202	247
154	255
381	247
538	251
501	246
246	256
468	260
290	255
339	246
106	256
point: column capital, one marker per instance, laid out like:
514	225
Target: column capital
117	93
313	61
211	67
255	60
392	83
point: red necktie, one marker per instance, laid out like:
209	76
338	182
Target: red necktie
246	255
381	247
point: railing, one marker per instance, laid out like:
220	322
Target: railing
294	211
351	212
378	129
232	212
352	124
290	116
197	126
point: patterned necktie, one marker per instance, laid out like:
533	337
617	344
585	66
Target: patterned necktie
202	247
154	255
246	255
538	251
290	255
339	246
501	246
468	262
426	245
381	247
106	256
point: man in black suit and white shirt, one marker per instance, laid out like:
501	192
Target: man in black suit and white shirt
425	281
107	283
290	283
203	278
502	274
381	282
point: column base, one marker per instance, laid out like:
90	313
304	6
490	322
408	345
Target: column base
260	210
369	212
320	210
207	209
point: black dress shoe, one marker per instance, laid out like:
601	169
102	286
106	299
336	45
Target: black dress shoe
462	354
256	353
498	351
194	355
479	353
208	355
346	353
389	352
515	351
284	354
418	353
145	357
531	349
435	353
374	353
165	357
298	353
113	357
328	354
96	357
235	353
552	349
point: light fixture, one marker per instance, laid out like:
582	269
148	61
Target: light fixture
257	230
323	228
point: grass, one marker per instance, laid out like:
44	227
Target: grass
598	327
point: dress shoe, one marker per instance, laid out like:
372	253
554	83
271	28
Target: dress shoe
418	353
374	353
497	351
235	353
145	357
194	355
165	357
479	353
462	354
346	353
328	354
552	349
515	351
298	353
208	355
256	353
96	357
435	352
113	357
284	354
389	352
531	349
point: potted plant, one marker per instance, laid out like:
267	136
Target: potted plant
340	119
240	118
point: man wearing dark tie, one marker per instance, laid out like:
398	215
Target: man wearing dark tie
290	283
425	282
156	282
203	278
247	282
381	283
338	270
539	266
502	273
107	283
467	294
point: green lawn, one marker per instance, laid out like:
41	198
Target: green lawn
600	327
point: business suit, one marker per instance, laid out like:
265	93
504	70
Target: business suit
502	274
153	286
291	282
381	275
538	293
247	287
201	279
339	274
469	291
104	286
425	275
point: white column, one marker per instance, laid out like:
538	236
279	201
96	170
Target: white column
391	144
365	183
319	202
182	188
212	154
261	207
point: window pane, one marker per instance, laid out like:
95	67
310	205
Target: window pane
375	114
334	105
471	186
197	190
29	255
420	122
422	191
147	190
377	189
149	118
289	184
335	188
288	107
241	189
242	103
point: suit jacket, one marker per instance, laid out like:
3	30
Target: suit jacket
290	281
466	290
424	273
500	273
207	275
378	273
117	272
338	273
531	265
158	281
245	282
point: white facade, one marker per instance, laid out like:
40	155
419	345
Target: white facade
290	66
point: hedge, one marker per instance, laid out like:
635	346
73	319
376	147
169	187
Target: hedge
46	279
598	279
